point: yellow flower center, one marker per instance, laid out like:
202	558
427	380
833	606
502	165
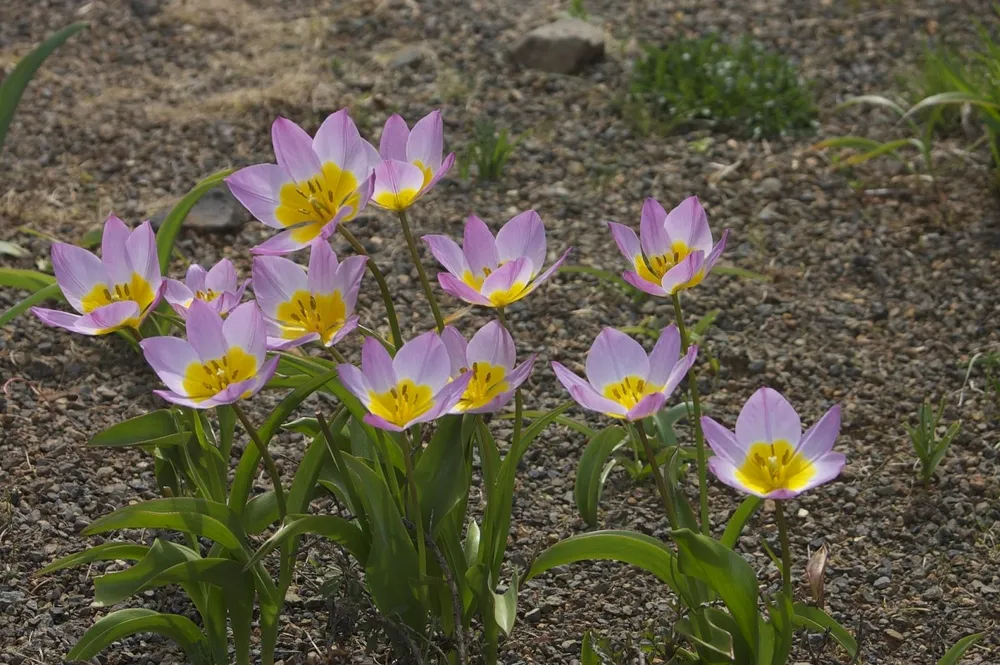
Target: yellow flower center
306	312
656	267
773	466
208	295
315	202
202	381
629	391
403	403
426	170
486	384
136	289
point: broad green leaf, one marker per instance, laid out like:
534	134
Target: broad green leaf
666	419
115	587
215	521
8	248
470	546
123	623
246	470
227	428
630	547
49	292
590	474
955	653
816	620
443	473
28	280
171	225
954	97
588	655
330	527
260	512
714	645
505	606
739	519
704	323
724	571
782	619
140	430
105	552
723	620
18	79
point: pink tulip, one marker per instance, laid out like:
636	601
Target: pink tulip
489	358
219	287
411	161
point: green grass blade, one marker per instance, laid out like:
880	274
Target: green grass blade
29	280
15	83
955	653
49	292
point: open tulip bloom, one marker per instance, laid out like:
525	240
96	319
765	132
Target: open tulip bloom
302	307
489	359
316	184
219	287
413	387
622	381
219	363
411	161
115	291
768	455
494	272
673	251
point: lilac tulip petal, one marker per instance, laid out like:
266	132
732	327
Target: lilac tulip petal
679	371
77	272
540	279
178	293
260	379
664	355
456	287
681	275
397	184
584	393
688	223
424	360
768	417
627	241
448	254
479	246
425	143
195	277
653	235
348	279
376	364
395	135
455	344
293	150
819	439
275	343
722	441
506	278
338	141
523	235
379	422
446	165
205	333
285	242
181	400
323	265
244	328
258	189
724	470
641	284
59	319
140	249
169	357
222	277
355	381
825	469
614	356
492	344
275	281
445	399
101	321
521	373
113	253
350	325
646	407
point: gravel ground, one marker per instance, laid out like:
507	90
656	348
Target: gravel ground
877	292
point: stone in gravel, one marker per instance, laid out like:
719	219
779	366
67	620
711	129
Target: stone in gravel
933	593
882	582
562	47
217	211
411	56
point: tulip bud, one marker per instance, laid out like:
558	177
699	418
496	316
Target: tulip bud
815	570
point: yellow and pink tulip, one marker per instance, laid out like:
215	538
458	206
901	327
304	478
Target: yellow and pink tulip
411	161
489	358
219	286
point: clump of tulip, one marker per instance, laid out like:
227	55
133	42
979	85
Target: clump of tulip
397	448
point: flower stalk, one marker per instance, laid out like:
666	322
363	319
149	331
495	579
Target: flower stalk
415	257
786	557
661	485
269	466
390	309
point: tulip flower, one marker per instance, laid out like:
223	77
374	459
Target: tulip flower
411	161
115	291
489	359
768	455
494	272
673	251
316	184
300	307
220	362
413	387
219	287
622	381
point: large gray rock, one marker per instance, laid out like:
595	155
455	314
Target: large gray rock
562	47
216	211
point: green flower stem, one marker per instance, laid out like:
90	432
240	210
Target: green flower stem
390	309
272	470
502	318
338	459
415	515
337	355
661	485
699	435
786	556
415	256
